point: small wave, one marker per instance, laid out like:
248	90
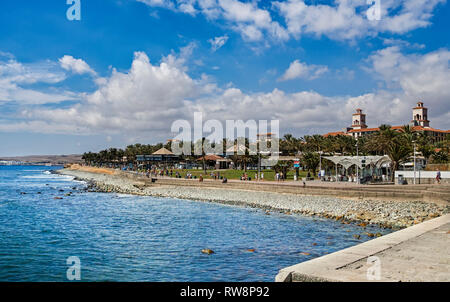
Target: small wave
118	195
49	177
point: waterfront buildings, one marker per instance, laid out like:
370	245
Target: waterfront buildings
419	123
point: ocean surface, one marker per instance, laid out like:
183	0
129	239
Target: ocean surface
130	238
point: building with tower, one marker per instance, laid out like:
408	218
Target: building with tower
359	120
420	116
419	123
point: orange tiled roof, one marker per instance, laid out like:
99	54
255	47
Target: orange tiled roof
364	130
211	157
420	128
335	133
415	128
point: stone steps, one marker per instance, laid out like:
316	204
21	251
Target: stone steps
444	189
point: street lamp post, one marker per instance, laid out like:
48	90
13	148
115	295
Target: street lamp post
414	142
320	164
357	159
259	165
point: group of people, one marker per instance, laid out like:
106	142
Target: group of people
280	176
245	176
162	172
215	175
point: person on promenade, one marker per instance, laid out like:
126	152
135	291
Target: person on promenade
200	179
262	175
438	176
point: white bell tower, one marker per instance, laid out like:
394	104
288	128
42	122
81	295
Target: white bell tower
359	120
420	116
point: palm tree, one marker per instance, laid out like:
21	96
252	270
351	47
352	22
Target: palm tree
200	148
311	161
394	144
315	142
440	157
289	144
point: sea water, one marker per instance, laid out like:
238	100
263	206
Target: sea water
121	237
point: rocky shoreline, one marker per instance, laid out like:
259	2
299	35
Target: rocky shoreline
387	214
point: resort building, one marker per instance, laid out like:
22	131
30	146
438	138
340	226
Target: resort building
419	123
162	156
265	137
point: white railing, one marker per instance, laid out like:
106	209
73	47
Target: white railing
422	174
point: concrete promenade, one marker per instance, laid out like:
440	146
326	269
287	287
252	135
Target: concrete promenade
439	194
417	253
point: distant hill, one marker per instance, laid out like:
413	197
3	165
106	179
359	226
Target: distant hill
45	159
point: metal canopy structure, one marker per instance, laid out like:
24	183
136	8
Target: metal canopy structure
375	163
348	161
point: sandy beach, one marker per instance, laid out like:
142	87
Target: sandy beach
397	214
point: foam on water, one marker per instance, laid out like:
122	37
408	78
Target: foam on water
49	177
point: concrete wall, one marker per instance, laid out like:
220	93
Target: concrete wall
423	177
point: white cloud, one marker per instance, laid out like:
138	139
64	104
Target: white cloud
417	76
218	42
251	20
341	20
246	18
144	101
402	43
347	20
16	77
179	60
300	70
76	66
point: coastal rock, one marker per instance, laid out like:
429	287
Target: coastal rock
386	214
207	251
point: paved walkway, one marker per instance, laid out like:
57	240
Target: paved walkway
309	183
418	253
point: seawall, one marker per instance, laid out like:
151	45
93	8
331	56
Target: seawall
368	205
418	253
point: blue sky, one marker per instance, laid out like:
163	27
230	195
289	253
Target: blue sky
128	69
